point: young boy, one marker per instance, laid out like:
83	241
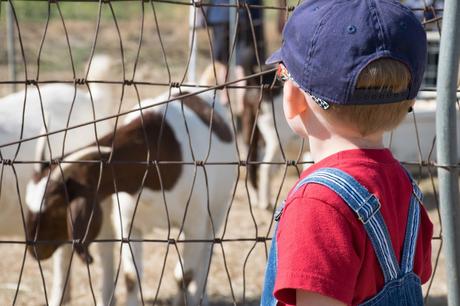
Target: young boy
353	230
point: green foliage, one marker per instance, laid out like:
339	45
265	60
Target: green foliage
38	10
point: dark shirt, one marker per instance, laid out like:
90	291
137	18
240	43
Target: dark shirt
217	15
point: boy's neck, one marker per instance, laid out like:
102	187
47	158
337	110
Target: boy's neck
322	148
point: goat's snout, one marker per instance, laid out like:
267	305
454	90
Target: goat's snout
83	225
82	251
46	223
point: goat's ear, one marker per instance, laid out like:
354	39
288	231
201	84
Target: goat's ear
73	188
84	220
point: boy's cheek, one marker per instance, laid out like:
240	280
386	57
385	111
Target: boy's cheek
296	124
293	118
290	108
293	101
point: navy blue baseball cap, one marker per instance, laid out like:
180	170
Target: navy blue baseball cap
327	43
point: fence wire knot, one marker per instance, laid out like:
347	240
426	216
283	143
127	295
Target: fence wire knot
104	161
243	163
199	163
172	241
261	239
55	161
197	4
125	240
7	162
426	163
80	81
31	82
241	5
128	82
291	162
217	240
175	84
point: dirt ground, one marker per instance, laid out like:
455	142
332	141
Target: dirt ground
245	260
240	225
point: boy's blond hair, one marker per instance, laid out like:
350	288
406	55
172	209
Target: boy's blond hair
384	74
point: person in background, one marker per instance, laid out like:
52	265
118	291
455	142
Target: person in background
249	49
282	15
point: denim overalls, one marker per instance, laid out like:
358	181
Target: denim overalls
402	285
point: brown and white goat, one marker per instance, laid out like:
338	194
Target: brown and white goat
174	194
264	109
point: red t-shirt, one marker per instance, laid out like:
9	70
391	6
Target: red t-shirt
322	245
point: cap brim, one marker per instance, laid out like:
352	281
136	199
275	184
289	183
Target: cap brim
276	57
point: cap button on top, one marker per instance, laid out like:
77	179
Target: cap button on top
351	29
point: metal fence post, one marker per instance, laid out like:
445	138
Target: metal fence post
446	133
192	42
232	28
10	44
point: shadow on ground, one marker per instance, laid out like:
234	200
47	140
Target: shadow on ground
218	302
437	301
432	301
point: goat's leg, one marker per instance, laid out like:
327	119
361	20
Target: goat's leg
106	255
240	92
192	275
251	142
265	177
132	252
268	132
61	261
133	267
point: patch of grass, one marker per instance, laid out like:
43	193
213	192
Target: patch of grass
123	10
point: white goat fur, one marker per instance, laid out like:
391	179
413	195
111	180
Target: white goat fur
291	143
56	100
220	179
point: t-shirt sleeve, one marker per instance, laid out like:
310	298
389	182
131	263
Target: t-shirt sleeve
316	252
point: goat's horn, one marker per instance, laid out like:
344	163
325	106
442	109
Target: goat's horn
87	153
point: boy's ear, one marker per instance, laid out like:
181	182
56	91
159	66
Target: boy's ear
295	102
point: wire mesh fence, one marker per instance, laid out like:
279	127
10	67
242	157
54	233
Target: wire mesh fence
137	192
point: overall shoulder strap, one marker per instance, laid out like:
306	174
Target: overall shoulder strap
412	228
367	207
